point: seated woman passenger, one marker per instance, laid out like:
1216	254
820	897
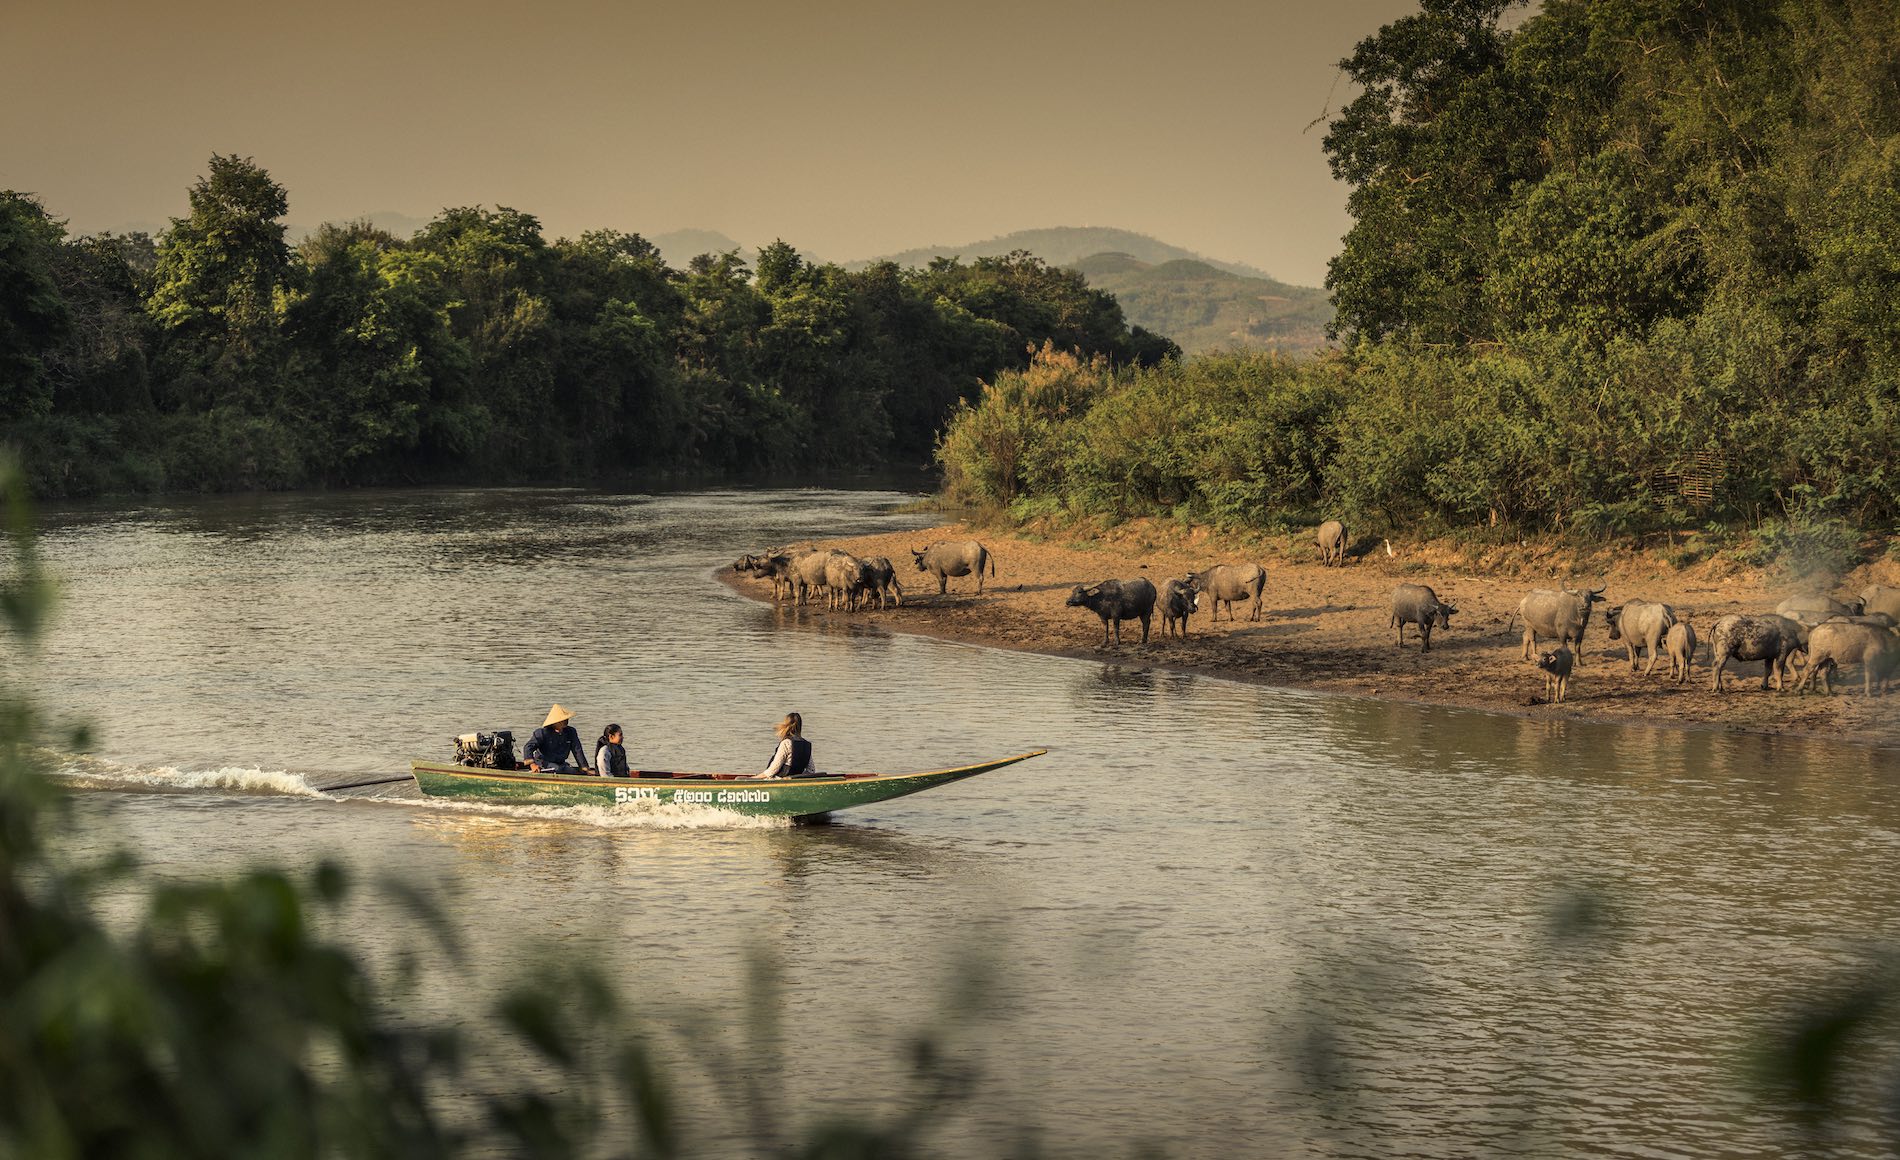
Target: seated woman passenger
793	756
554	743
610	756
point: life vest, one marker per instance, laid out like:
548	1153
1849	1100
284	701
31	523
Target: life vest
801	758
616	759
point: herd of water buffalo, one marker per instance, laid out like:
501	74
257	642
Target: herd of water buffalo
847	582
1817	631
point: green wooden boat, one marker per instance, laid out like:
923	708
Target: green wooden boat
788	797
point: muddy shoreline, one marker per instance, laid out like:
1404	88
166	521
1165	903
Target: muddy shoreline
1326	628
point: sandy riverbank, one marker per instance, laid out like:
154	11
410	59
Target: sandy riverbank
1326	628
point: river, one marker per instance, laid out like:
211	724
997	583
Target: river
1155	921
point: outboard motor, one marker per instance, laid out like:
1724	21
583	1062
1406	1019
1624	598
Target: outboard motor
486	750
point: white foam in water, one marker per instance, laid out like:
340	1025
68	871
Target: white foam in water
641	814
240	779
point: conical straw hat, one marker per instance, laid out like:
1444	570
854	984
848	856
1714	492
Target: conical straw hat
557	714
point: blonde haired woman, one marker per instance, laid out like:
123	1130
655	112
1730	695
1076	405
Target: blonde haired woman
793	756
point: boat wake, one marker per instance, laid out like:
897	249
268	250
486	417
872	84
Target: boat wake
83	772
634	815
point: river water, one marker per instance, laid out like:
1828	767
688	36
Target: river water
1143	933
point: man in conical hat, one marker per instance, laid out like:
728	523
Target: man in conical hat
556	746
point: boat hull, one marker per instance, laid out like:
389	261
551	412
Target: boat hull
789	797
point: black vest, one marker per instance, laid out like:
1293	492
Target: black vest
801	759
616	759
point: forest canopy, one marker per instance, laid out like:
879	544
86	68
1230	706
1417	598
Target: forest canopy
220	356
1614	268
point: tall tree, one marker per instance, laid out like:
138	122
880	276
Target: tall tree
33	314
217	283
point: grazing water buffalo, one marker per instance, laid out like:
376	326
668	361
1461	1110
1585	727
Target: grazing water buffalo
775	566
1836	643
1640	624
1880	598
1811	608
1769	639
1178	600
1230	582
1418	604
1332	542
883	578
1679	645
947	558
1116	601
1557	665
1562	614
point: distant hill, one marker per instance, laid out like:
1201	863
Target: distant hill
1204	307
1201	303
679	247
1065	246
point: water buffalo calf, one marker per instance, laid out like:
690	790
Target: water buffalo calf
1769	639
1557	665
1178	600
1115	601
1332	542
1640	624
1418	604
1679	645
882	577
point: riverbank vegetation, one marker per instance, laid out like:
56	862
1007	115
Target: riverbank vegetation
1621	268
217	356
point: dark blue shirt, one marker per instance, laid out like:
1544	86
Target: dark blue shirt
553	744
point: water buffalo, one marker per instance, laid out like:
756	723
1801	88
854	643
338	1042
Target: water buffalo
1178	600
947	558
1230	582
847	581
1836	643
1418	604
1877	619
1880	598
1332	542
1679	644
775	566
883	578
1562	614
1811	608
1116	601
1557	665
808	571
1769	639
1640	624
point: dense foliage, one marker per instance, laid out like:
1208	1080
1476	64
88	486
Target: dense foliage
1622	266
220	356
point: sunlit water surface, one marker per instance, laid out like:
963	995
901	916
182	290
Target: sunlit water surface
1199	879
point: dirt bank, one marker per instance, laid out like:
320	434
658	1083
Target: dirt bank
1326	627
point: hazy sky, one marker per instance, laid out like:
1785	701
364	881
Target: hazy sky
848	129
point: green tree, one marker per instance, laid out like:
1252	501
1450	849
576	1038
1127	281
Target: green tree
217	288
34	316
